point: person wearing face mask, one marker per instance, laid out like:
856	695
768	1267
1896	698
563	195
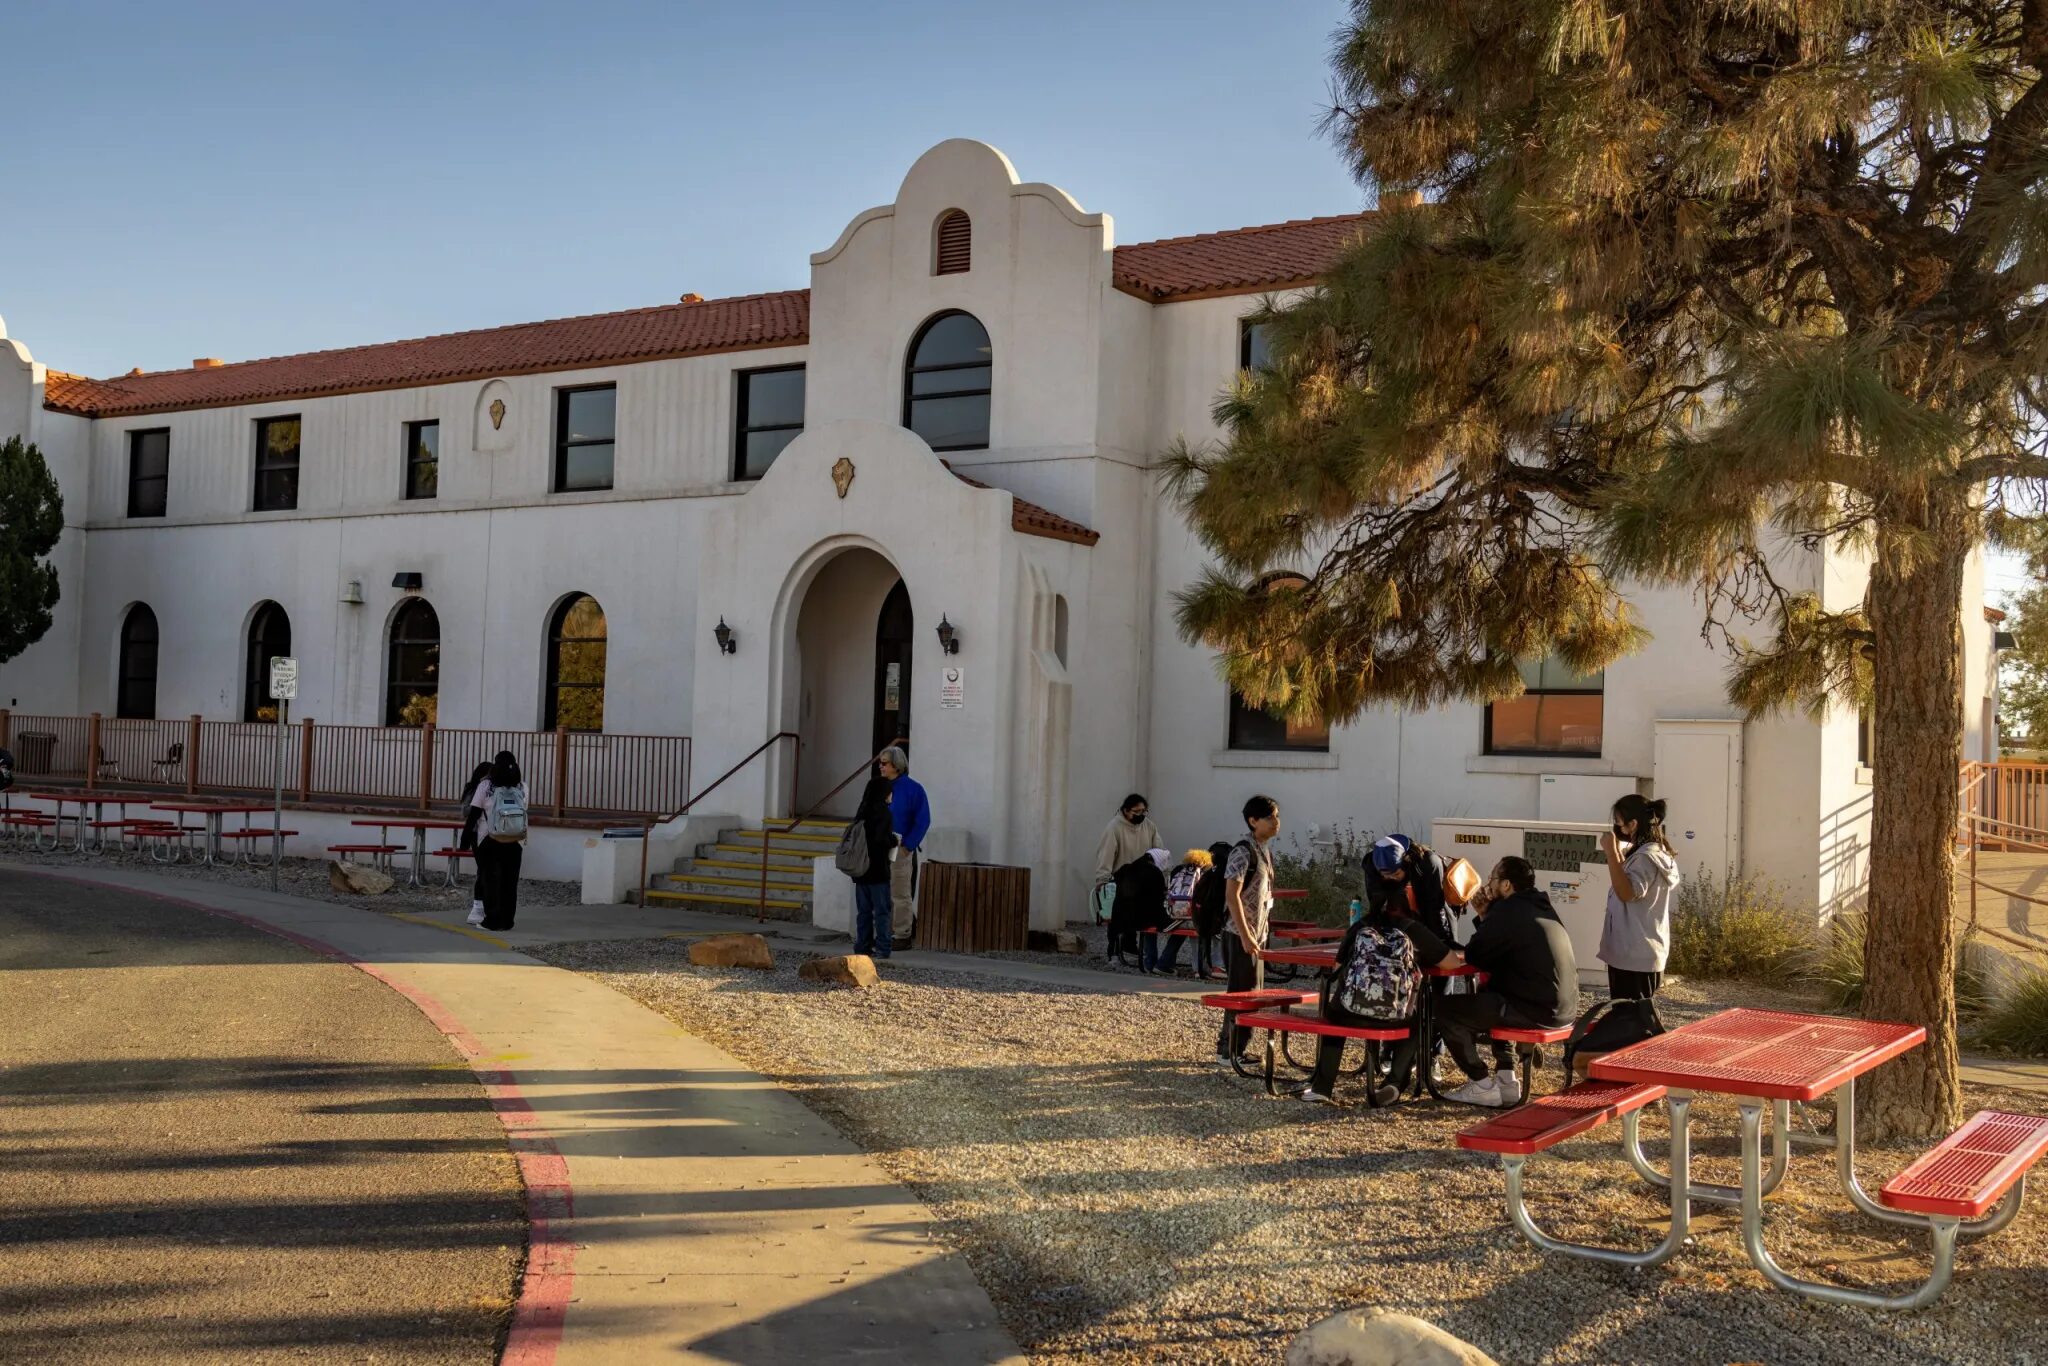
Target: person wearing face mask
1531	979
1642	878
1129	834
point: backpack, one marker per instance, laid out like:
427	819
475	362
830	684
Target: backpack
851	858
6	770
1181	888
1380	981
1610	1026
505	819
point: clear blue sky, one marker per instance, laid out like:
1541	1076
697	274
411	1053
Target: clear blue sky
244	180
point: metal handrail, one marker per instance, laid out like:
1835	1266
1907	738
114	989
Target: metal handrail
767	830
647	827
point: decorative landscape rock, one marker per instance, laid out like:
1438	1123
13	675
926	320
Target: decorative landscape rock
732	951
1066	942
357	880
1377	1337
849	970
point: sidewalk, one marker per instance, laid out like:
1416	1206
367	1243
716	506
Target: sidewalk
685	1207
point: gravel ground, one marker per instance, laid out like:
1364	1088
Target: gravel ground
308	878
1123	1202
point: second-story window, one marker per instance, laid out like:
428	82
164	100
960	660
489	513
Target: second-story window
149	472
1251	347
586	424
770	415
947	383
422	459
277	464
1559	712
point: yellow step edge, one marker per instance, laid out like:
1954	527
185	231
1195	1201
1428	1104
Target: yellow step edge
750	872
719	900
753	852
737	881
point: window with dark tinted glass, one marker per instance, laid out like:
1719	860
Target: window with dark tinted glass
412	692
277	464
1251	347
149	471
576	651
1256	728
586	427
1559	712
770	416
946	385
422	459
136	687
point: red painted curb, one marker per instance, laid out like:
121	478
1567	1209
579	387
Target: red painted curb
543	1302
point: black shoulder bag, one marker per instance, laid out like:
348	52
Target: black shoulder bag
1610	1026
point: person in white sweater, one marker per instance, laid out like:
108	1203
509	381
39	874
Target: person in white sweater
1129	835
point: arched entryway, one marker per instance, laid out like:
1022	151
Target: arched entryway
854	634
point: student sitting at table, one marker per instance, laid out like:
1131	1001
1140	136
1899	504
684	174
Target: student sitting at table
1377	982
1531	979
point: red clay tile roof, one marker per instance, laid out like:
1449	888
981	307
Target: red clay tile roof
1239	261
1234	262
755	320
1033	520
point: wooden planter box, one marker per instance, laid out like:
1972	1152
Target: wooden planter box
972	907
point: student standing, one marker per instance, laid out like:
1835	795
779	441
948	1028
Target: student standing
1642	881
1248	899
500	839
871	891
910	813
1129	833
470	816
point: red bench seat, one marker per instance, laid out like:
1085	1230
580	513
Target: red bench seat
253	832
1315	1024
1966	1173
1534	1035
1545	1123
1270	997
363	848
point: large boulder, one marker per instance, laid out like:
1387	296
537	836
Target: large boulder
356	879
851	970
732	951
1378	1337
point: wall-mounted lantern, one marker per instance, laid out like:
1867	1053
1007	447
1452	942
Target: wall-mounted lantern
728	643
949	637
409	580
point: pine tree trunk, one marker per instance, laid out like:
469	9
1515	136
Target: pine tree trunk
1916	616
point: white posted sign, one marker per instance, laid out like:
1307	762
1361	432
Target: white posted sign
284	678
952	686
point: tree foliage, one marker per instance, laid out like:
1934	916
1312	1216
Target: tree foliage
31	520
1698	283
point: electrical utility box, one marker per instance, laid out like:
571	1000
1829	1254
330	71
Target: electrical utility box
1569	868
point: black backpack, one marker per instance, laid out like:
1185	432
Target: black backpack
1610	1026
6	770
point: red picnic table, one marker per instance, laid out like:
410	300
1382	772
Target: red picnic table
1780	1058
419	827
213	811
1309	933
97	801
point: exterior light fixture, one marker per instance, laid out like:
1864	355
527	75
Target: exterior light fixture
723	634
949	638
410	580
352	592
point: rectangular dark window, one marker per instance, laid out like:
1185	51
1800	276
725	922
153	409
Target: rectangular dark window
1256	728
277	464
422	459
1251	346
586	425
770	415
1560	713
149	471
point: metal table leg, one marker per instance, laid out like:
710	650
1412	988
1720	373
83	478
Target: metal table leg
1781	1158
1943	1228
1681	1208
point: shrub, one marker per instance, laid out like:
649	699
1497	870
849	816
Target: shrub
1737	928
1331	881
2019	1023
1836	967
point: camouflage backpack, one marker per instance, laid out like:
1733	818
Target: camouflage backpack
1380	982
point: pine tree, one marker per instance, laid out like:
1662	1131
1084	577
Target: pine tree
1700	286
31	520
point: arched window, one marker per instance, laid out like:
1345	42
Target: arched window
946	384
576	644
270	636
136	693
952	244
412	695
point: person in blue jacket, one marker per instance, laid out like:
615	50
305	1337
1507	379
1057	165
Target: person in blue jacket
911	811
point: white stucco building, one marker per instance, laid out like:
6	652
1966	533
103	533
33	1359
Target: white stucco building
520	469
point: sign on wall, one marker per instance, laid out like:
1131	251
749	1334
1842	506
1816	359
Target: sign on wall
952	686
284	678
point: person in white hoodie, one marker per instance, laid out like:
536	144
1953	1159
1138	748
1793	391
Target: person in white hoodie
1642	877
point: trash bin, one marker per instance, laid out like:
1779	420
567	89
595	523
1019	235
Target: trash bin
973	907
34	751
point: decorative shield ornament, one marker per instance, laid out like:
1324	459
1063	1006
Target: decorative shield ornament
497	413
842	475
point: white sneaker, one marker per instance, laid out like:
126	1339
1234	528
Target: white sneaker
476	912
1508	1087
1485	1091
1316	1098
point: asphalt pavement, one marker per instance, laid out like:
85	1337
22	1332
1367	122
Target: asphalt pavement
218	1146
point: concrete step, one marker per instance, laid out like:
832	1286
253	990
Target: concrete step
749	869
737	906
729	885
799	844
779	856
